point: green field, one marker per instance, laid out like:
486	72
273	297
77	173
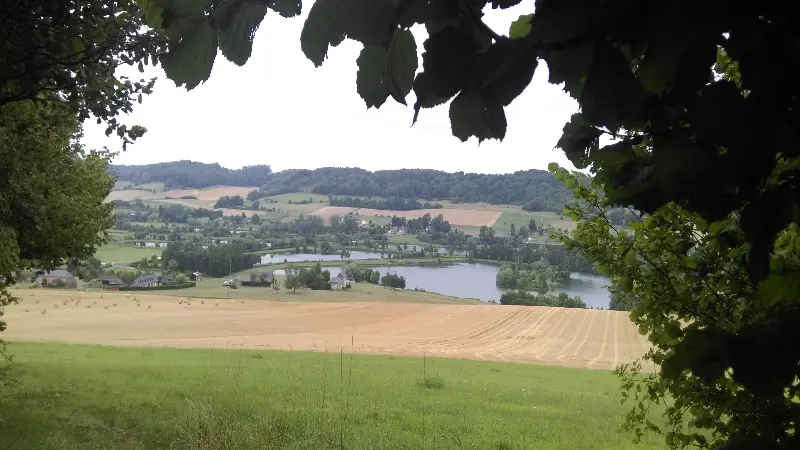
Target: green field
121	184
118	253
76	396
410	239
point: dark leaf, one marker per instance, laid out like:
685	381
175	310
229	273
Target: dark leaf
505	70
236	41
611	92
564	20
569	66
371	80
579	140
446	61
402	65
287	8
191	58
425	96
321	28
707	352
503	4
471	116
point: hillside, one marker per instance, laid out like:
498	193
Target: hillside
534	190
191	174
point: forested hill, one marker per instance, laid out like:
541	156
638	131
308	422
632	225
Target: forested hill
536	190
191	174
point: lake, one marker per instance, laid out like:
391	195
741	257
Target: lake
477	280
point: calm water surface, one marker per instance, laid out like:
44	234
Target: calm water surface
463	279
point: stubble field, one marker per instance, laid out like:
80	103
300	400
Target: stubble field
554	336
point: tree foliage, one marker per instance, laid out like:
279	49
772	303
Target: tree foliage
52	197
725	345
69	52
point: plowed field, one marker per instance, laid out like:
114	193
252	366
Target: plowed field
569	337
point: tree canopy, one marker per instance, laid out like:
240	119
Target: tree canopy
52	198
688	113
69	52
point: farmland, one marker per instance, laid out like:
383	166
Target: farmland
568	337
77	396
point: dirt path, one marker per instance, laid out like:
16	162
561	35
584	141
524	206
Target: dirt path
566	337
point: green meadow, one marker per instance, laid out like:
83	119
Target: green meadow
77	396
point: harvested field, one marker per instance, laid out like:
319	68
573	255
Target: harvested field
557	336
329	211
210	194
463	217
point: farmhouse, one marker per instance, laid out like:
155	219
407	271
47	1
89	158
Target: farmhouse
145	281
338	282
53	277
110	281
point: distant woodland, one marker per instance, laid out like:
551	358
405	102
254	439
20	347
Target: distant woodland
191	174
534	190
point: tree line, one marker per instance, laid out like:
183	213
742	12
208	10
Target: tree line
191	174
229	201
391	203
535	190
561	300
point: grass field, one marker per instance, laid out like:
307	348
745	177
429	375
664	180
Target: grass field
410	239
118	253
75	396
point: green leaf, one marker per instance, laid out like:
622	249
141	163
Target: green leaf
191	59
689	262
371	80
716	228
658	68
520	27
152	12
236	41
779	288
611	92
403	65
569	66
708	352
579	140
471	116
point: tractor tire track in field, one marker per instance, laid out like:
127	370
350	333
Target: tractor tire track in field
525	334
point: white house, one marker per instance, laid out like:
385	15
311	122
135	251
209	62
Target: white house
162	244
149	244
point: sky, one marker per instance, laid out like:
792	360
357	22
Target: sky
278	109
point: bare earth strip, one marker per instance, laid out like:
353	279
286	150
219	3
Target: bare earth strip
463	217
556	336
209	194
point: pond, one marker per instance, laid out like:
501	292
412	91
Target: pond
478	281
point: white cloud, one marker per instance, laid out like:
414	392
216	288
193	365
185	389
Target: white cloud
280	110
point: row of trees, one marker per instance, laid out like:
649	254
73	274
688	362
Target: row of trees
435	224
392	203
561	300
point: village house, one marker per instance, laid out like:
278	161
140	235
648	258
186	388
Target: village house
338	282
55	277
108	282
150	280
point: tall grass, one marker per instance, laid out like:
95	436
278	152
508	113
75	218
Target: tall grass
74	396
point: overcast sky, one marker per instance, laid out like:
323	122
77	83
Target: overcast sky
280	110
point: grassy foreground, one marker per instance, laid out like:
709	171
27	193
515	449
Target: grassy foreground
75	396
